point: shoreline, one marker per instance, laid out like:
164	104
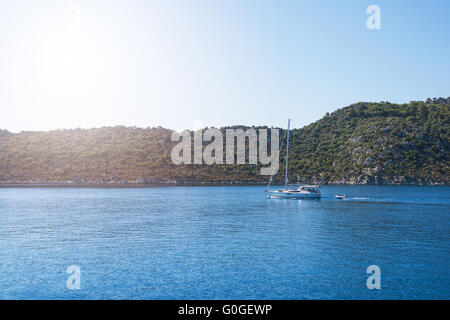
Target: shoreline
194	184
122	185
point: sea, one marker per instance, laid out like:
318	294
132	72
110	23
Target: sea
224	242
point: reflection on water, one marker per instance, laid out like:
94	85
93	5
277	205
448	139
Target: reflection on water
224	243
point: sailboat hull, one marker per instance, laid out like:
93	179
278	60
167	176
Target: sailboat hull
293	194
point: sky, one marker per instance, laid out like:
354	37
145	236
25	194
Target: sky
184	64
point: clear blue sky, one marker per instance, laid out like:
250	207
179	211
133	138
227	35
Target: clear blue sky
184	63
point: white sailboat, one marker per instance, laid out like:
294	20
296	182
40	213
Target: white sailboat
302	192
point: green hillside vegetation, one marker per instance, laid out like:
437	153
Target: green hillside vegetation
377	143
365	143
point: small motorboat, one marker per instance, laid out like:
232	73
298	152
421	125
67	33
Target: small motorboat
340	196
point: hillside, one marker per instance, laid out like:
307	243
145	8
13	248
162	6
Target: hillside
377	143
365	143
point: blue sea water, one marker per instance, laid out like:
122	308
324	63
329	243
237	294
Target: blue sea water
224	243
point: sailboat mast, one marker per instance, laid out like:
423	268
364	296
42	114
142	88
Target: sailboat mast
286	180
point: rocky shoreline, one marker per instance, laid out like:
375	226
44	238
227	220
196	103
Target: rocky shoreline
366	181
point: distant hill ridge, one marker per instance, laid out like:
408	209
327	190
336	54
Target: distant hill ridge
364	143
4	132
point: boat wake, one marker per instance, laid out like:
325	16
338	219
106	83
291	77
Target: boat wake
422	201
